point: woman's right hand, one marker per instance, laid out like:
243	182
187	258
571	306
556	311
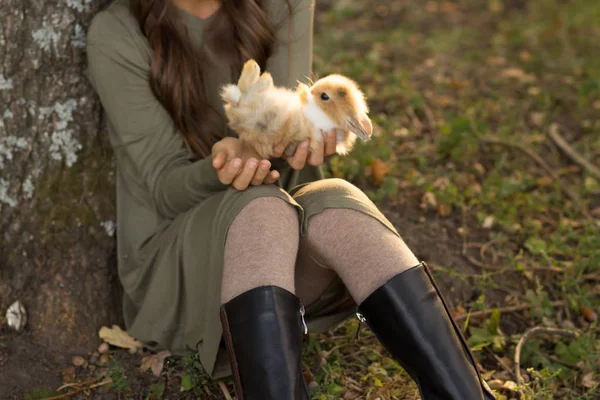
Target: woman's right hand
240	167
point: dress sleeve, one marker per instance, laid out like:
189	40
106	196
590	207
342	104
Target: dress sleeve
292	58
148	147
291	61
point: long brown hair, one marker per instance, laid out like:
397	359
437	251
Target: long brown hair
242	31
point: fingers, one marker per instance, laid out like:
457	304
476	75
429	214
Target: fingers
316	155
242	181
272	177
330	142
228	172
261	173
298	161
219	160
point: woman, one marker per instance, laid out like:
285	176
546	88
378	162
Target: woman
221	251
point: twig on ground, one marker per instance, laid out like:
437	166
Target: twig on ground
415	120
485	313
569	193
74	392
502	363
472	260
224	389
571	153
526	335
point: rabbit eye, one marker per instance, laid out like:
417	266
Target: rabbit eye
324	96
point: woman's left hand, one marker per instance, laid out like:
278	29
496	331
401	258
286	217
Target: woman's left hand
304	155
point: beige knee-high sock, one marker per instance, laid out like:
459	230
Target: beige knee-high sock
261	248
362	251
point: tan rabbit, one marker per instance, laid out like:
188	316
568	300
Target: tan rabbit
263	114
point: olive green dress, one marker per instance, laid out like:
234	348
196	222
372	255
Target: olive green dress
172	212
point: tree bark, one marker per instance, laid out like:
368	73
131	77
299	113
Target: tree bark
56	177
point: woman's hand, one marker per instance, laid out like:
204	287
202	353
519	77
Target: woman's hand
303	155
240	167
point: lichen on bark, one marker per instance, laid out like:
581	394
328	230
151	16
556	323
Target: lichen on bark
58	176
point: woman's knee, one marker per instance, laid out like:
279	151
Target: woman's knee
261	213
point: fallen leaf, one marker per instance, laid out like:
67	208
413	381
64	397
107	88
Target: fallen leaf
518	74
543	181
537	118
495	384
428	201
441	183
588	380
496	60
525	55
444	210
155	362
589	314
402	132
380	170
117	337
488	222
480	169
596	212
16	316
510	385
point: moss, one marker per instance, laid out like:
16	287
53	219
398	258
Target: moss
63	194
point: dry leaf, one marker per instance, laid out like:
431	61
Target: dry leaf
588	380
543	181
488	222
16	316
537	118
525	55
402	132
428	201
495	384
155	362
510	385
589	314
518	74
380	170
117	337
444	210
595	212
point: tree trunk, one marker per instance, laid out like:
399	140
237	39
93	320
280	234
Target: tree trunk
56	177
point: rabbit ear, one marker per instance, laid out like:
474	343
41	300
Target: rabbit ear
264	82
249	75
362	127
303	92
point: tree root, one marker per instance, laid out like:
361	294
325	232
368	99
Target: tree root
571	153
526	335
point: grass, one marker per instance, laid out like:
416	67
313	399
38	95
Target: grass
447	81
443	79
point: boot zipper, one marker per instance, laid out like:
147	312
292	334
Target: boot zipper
302	312
361	320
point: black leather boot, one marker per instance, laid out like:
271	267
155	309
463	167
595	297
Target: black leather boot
263	335
411	319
